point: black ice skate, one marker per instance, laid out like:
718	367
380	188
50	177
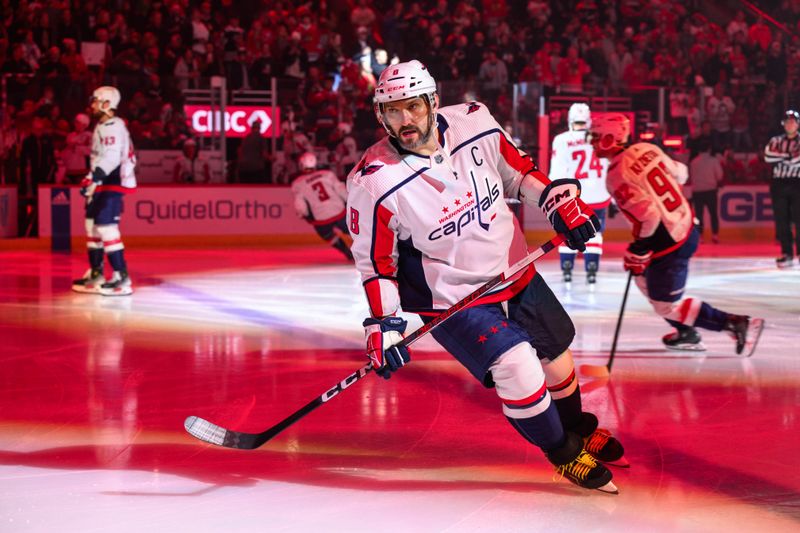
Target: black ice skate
784	261
575	464
90	283
685	339
745	331
118	285
591	275
566	270
599	442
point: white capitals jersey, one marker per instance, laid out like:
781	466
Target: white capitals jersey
646	185
429	230
320	196
112	151
573	158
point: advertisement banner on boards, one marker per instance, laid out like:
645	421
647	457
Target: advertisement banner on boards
194	210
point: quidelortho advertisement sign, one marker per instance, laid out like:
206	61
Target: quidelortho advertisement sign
261	210
194	210
8	211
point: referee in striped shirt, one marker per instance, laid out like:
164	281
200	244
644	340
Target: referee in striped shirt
783	151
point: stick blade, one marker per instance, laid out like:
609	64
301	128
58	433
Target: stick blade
205	430
594	371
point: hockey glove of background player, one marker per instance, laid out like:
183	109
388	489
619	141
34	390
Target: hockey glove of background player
568	214
637	259
91	181
382	336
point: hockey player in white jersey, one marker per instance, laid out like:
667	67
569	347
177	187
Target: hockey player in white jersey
573	157
645	183
112	164
429	223
319	198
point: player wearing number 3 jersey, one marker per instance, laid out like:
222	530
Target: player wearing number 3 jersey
645	183
319	198
572	157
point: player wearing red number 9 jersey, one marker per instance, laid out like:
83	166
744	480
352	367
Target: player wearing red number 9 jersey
319	198
572	157
645	183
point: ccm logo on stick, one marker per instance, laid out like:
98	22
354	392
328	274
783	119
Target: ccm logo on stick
346	382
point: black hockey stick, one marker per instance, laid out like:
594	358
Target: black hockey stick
603	371
214	434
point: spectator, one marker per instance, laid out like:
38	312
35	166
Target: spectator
493	75
571	71
38	166
719	110
78	147
187	71
706	175
759	34
188	168
253	157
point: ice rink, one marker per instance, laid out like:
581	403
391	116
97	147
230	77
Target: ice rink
94	392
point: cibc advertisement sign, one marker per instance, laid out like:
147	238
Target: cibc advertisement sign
238	120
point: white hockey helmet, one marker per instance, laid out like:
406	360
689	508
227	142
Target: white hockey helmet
307	161
579	112
109	94
404	80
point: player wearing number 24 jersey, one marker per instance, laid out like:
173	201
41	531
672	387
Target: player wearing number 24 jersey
319	198
646	183
572	157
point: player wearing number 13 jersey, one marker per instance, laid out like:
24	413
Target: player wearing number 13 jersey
645	183
319	198
573	157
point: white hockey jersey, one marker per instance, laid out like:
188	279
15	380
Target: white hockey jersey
112	151
320	196
573	158
429	230
645	183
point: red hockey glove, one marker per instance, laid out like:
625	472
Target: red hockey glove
87	187
382	337
637	261
568	214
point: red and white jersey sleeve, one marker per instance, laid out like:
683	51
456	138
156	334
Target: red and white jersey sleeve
429	230
573	158
113	152
644	183
320	195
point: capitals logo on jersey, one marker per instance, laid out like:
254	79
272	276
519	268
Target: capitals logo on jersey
471	209
472	107
366	169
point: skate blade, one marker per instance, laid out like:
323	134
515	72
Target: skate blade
609	488
117	292
619	463
85	290
754	331
699	347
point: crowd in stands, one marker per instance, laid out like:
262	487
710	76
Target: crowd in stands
728	73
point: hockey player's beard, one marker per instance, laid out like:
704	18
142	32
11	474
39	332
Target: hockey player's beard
422	139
